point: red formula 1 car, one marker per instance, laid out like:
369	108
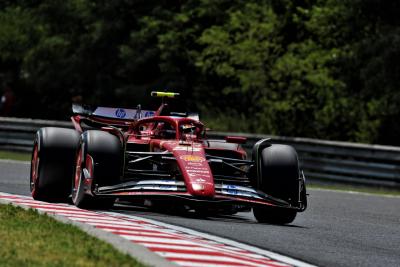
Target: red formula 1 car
163	158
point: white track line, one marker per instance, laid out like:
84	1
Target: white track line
22	162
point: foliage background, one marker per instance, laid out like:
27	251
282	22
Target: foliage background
325	69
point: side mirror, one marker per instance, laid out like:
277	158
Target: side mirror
205	131
236	139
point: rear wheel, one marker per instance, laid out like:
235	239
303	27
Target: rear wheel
98	163
52	163
279	170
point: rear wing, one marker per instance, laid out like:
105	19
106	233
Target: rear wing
112	113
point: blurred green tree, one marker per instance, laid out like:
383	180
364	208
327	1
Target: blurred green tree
317	68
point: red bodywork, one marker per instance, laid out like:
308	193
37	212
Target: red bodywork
184	143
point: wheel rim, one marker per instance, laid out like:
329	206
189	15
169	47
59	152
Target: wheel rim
77	177
34	170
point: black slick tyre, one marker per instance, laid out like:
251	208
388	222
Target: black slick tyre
274	215
52	163
280	179
98	163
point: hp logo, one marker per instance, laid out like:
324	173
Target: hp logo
120	113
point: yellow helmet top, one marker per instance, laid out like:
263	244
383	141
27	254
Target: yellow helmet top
164	94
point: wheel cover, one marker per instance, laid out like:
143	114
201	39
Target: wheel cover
34	170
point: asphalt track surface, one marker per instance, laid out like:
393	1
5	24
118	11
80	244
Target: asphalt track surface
338	229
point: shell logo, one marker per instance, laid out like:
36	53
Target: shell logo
192	158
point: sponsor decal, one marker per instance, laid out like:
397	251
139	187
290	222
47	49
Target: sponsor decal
167	187
198	175
194	164
120	113
123	113
231	189
148	114
143	114
197	167
192	158
187	148
198	171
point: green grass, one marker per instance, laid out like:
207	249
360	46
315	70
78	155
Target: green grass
23	156
31	239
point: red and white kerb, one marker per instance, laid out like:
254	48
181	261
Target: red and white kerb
176	246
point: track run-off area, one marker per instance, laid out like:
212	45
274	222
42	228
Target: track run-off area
338	229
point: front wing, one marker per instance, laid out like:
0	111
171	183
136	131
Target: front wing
176	190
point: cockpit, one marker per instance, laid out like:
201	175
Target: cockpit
168	128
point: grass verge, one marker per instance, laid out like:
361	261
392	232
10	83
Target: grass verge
23	156
347	188
31	239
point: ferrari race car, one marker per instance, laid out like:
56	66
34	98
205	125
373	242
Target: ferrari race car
163	158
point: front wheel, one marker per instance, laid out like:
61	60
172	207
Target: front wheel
274	215
279	177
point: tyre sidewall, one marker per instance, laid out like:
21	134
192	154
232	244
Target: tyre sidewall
280	173
56	155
